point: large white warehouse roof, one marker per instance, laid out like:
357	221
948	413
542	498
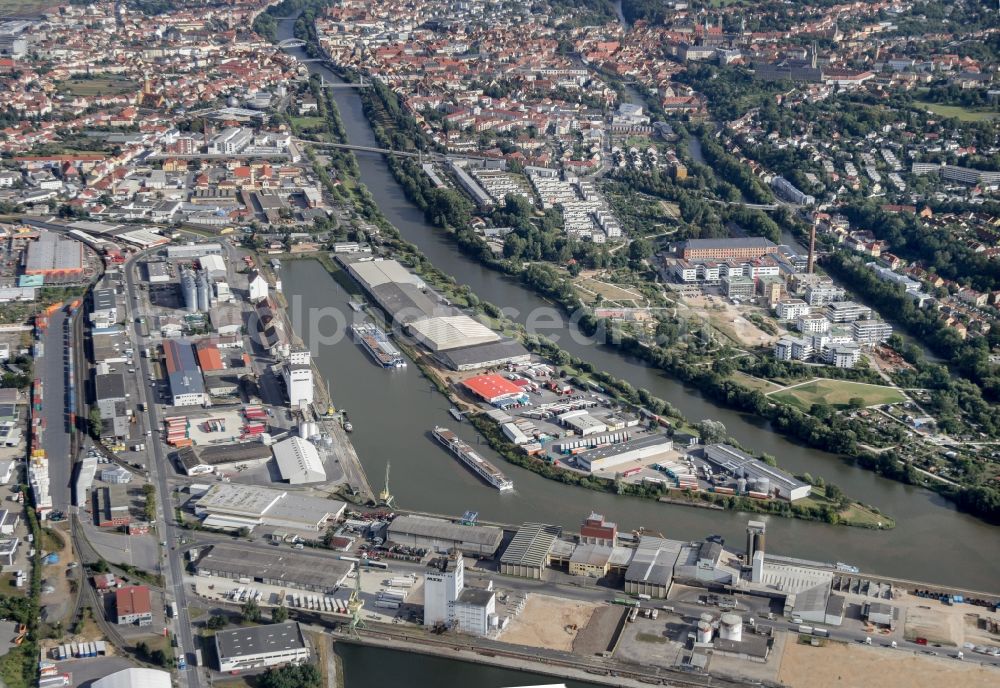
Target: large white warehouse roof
299	462
451	332
135	678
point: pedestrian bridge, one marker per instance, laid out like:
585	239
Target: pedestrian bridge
291	43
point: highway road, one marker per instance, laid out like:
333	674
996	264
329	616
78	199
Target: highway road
159	470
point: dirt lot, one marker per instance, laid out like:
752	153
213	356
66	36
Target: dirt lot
840	665
548	622
948	625
727	319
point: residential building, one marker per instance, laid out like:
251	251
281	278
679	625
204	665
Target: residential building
846	311
132	605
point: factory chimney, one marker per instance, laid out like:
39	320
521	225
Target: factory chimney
812	247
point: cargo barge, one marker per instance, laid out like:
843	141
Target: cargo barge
378	346
483	468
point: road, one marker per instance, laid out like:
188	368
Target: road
159	469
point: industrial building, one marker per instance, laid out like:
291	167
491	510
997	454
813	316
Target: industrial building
198	460
133	606
187	388
299	462
640	449
54	257
447	601
527	555
758	476
459	341
189	251
479	356
232	506
494	389
651	571
135	677
111	507
451	332
256	647
439	535
283	569
720	249
298	377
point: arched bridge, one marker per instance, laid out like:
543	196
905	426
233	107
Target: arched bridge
291	43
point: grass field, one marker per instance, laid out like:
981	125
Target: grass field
837	393
963	114
98	85
25	8
755	382
308	122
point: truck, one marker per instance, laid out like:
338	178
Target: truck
171	610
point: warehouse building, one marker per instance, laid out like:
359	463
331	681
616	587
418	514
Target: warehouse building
759	476
232	506
111	506
612	455
651	571
491	355
527	555
197	460
286	568
494	389
441	536
54	257
451	332
299	462
187	388
256	647
189	251
135	677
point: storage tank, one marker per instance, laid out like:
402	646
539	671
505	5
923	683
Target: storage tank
741	486
204	293
764	485
704	632
731	627
189	288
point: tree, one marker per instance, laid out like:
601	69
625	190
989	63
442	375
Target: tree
711	431
279	614
294	676
856	402
833	493
94	422
216	621
250	612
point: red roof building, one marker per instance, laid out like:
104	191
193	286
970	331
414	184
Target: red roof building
492	388
133	606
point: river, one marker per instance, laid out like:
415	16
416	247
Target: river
393	411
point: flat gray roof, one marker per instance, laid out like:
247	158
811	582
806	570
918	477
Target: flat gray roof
531	545
653	561
257	640
284	567
483	353
741	242
109	386
423	526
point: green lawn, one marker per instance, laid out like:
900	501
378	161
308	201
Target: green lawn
105	86
837	393
755	382
308	122
963	114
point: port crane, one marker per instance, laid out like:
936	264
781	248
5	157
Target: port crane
385	497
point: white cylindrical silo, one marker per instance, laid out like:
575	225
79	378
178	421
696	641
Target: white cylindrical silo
731	627
704	632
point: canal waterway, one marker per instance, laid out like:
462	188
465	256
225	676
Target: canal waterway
393	411
371	666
